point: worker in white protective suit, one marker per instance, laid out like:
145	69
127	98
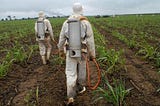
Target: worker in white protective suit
44	34
76	67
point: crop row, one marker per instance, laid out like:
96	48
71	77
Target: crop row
138	33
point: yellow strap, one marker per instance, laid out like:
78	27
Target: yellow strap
83	18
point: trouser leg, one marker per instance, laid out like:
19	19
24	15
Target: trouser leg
49	48
82	73
42	49
71	76
44	59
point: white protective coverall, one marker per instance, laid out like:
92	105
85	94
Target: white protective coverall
75	68
45	46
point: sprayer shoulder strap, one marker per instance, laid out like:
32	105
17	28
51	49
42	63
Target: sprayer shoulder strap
39	21
81	18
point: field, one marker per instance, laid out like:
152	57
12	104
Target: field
127	50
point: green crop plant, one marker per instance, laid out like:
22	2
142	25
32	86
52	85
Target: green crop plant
101	50
4	67
9	56
31	50
120	36
130	42
28	97
147	51
4	36
32	97
7	62
19	55
100	43
157	59
99	38
37	94
15	54
112	60
114	93
58	60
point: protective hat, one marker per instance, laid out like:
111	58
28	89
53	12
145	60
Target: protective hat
77	8
41	14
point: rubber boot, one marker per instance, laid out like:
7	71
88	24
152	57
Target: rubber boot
44	60
70	102
48	55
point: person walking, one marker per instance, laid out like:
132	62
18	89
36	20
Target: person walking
77	37
44	35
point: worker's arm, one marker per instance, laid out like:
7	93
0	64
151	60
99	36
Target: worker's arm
90	40
36	32
62	37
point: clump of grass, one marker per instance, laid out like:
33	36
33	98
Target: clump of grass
31	51
114	93
58	60
4	67
19	54
32	97
15	54
28	97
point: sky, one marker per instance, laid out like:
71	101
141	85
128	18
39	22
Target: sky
30	8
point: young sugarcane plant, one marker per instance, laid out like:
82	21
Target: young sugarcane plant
31	50
147	51
115	93
19	54
4	67
112	60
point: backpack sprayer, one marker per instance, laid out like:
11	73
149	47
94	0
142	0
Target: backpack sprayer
41	30
74	32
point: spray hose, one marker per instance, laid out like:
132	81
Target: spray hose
88	73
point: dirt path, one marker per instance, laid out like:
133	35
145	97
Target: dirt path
19	87
140	75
